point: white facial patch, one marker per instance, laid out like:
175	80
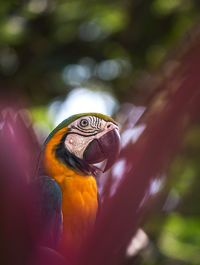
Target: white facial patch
83	131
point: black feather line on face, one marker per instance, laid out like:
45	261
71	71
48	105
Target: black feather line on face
72	161
88	131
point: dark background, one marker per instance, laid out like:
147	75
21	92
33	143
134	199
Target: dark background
121	49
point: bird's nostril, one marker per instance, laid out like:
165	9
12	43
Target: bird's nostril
108	126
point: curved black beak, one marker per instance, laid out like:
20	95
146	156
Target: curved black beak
106	147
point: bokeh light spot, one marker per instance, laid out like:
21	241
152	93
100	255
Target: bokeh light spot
89	31
108	70
75	74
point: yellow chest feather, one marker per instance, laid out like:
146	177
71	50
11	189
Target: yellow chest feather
79	206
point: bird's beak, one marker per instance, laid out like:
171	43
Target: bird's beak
105	147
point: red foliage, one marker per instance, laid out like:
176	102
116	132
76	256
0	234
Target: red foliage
19	243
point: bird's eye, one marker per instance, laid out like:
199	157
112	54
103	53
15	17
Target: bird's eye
84	123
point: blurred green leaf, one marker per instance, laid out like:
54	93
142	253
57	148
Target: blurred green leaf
180	238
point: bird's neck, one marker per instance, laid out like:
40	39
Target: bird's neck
58	161
52	166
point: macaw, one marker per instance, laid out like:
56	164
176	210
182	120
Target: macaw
69	195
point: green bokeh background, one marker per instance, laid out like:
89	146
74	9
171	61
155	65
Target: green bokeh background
112	46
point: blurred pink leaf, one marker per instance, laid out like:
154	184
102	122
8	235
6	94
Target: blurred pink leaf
120	214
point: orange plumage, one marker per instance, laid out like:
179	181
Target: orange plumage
79	195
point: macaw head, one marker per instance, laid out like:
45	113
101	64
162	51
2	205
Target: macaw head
81	141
